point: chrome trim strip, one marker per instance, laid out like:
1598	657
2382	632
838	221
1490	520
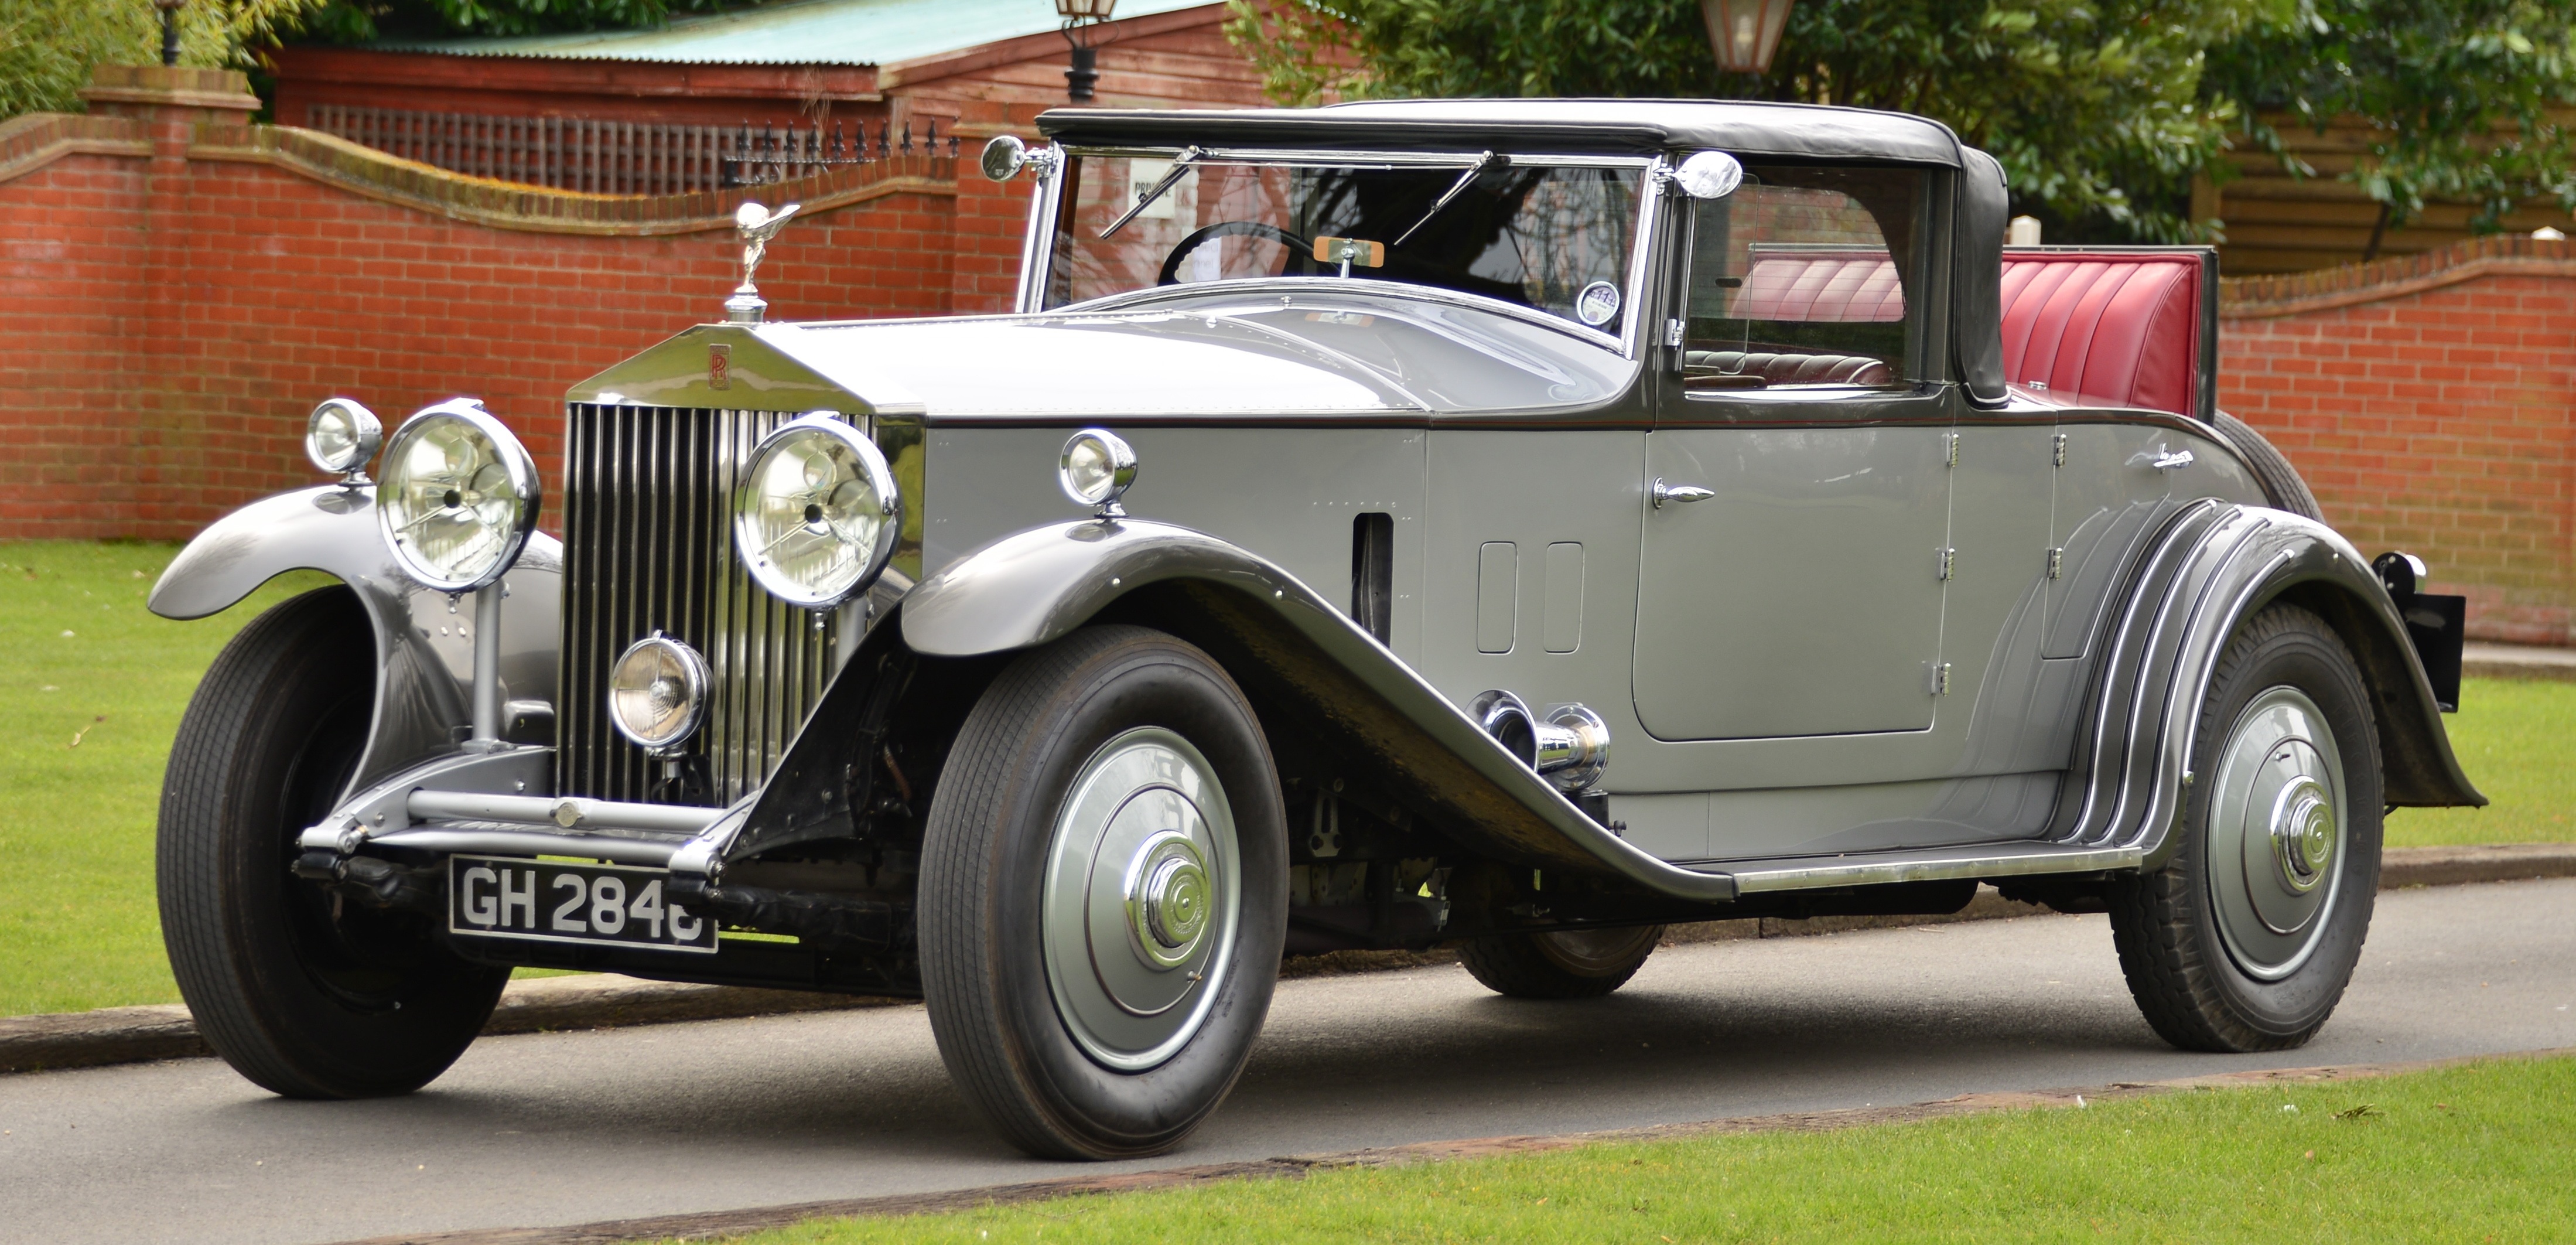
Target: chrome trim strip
567	812
1979	862
1359	158
624	851
1037	241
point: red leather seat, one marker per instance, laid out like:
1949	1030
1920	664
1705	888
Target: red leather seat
2119	329
1844	285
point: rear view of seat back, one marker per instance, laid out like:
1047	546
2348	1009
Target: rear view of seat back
2119	327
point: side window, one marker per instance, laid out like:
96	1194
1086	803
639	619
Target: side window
1802	279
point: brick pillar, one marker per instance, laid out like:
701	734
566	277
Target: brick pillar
165	388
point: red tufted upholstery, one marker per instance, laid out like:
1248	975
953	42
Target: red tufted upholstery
2109	327
1840	284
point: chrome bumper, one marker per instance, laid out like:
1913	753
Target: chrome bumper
498	803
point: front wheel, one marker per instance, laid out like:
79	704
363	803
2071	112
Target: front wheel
2246	939
1103	894
303	992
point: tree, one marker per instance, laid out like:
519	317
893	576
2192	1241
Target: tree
358	21
2101	113
2459	97
47	47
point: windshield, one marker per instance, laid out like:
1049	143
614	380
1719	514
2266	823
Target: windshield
1552	237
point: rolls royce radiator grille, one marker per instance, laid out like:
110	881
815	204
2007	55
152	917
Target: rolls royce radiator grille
648	544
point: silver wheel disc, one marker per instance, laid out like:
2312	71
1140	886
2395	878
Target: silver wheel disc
1139	910
2276	833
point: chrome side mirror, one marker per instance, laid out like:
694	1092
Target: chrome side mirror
1709	175
1004	157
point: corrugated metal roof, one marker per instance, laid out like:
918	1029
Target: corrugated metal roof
797	32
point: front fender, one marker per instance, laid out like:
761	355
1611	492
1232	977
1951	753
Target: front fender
424	649
1284	641
2214	565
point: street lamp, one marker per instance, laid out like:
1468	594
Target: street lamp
1077	14
169	29
1743	33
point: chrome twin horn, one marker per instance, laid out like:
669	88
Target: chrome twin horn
1569	745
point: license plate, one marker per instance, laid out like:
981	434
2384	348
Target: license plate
540	900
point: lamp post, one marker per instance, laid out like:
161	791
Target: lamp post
169	29
1743	33
1085	73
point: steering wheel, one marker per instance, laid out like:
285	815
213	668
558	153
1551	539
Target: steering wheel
1299	249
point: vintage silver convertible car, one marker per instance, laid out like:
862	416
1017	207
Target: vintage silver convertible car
1509	524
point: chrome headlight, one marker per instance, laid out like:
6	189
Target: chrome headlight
342	436
817	516
657	692
459	496
1096	469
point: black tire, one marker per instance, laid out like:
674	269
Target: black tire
2281	482
2202	965
307	996
1578	964
1012	1034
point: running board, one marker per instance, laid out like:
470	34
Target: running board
1983	860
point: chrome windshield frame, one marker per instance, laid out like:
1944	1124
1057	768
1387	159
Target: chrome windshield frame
1046	208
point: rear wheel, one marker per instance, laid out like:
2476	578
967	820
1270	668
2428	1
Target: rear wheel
1561	964
2246	939
1104	894
303	992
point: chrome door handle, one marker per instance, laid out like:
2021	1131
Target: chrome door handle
1678	492
2161	459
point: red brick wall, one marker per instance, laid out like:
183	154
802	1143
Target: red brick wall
2431	403
173	320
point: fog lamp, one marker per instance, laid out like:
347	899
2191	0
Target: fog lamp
817	516
657	692
341	437
1096	469
459	496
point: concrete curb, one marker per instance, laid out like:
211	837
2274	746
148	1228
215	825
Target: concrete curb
730	1223
597	1001
2518	661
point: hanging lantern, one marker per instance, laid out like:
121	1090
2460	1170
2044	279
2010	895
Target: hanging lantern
1085	73
1743	33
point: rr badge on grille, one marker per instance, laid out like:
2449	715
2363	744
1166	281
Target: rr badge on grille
720	366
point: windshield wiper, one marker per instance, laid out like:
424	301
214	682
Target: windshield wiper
1180	165
1459	187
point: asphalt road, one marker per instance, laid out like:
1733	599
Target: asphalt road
565	1128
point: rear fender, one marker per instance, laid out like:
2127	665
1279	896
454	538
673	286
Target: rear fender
1292	651
424	649
2215	565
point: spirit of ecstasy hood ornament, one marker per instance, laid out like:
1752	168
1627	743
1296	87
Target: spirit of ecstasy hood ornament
757	225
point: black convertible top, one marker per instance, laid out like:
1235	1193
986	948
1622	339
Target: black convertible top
1638	126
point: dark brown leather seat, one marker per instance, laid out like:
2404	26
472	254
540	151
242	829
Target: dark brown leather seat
1717	369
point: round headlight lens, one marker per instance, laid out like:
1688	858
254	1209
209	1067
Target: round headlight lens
459	497
342	436
657	692
817	515
1096	467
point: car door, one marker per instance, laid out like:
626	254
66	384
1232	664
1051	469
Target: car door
1796	541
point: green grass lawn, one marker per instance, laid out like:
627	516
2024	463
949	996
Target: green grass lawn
91	686
2518	742
2475	1153
81	660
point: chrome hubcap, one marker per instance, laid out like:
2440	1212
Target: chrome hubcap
1139	909
2276	833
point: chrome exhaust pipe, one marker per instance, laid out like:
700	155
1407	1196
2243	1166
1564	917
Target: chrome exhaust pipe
1569	745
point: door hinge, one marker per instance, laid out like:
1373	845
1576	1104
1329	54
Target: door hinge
2059	453
2056	562
1949	558
1672	332
1937	678
1953	449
